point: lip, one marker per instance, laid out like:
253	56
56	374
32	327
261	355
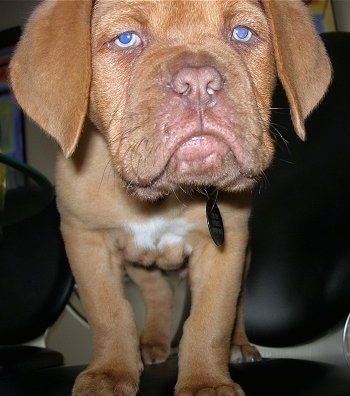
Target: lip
200	147
199	154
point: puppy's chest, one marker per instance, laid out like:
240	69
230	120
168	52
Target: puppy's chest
159	240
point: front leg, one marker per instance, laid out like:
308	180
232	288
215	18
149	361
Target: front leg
115	365
241	349
215	276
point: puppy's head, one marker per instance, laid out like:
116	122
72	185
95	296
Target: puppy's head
181	90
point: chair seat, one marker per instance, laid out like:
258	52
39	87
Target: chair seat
23	358
276	377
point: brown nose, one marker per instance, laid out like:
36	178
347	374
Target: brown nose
198	84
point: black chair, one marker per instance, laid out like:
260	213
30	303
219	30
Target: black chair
300	224
298	287
35	278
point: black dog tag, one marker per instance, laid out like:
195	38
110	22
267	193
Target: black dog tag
214	220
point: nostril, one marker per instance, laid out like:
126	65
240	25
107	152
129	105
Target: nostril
184	81
215	81
214	86
181	86
210	90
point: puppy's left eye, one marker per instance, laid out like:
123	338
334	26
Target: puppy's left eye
242	34
127	40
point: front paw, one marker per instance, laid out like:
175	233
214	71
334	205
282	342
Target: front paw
220	390
105	383
244	353
154	353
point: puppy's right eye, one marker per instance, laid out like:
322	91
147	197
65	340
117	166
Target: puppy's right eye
127	40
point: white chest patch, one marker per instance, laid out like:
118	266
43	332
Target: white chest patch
159	233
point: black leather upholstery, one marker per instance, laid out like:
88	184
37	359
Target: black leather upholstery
277	377
35	278
299	283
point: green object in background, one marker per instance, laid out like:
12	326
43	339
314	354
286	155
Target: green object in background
27	170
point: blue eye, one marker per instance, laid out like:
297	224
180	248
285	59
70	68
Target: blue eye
242	34
127	40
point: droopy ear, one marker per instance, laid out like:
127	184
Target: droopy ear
51	69
302	63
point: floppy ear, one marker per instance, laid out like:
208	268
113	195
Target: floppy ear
51	69
302	63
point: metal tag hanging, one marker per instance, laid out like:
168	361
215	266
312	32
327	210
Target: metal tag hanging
214	219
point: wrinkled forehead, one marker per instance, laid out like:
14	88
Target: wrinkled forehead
164	14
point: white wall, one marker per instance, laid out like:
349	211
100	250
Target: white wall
15	12
342	14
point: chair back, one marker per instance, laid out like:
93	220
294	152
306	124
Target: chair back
298	286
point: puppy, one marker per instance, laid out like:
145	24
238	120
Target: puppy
161	109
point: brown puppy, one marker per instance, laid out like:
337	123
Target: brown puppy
152	102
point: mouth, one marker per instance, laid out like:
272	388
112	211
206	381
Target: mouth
195	162
199	155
